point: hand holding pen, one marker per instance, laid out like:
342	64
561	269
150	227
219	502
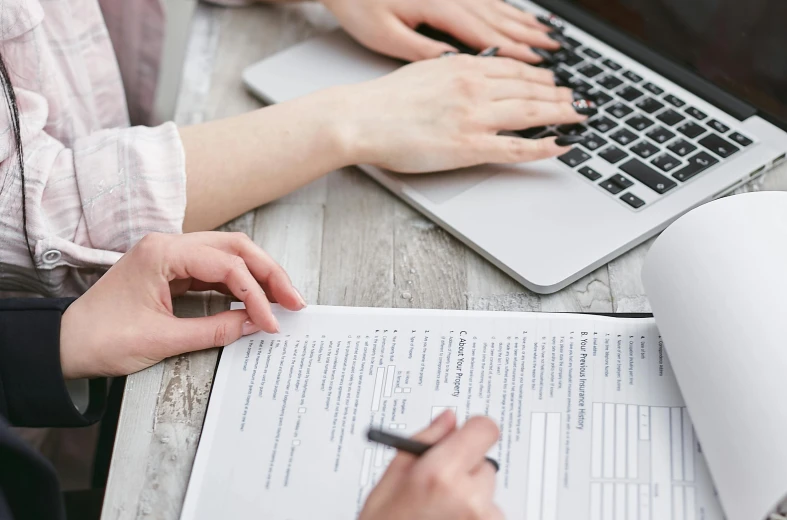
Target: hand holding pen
452	479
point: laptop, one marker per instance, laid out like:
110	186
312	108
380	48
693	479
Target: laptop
693	103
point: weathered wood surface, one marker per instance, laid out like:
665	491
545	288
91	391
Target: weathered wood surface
344	241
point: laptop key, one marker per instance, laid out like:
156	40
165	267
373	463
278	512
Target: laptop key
593	142
624	137
612	65
575	129
610	82
632	76
590	173
573	59
660	134
670	117
644	149
632	200
674	101
666	162
599	97
574	158
603	124
697	164
696	114
740	139
579	86
691	130
590	53
619	110
639	122
621	180
613	154
718	126
653	89
590	70
718	145
611	186
650	105
630	93
648	176
681	147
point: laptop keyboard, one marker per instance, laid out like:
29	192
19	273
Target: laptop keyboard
647	138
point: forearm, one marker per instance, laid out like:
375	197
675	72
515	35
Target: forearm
237	164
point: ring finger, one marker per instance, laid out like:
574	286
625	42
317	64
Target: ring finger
514	114
501	89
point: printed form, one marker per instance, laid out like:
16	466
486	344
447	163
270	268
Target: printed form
592	423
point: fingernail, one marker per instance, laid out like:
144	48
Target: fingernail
276	325
300	297
585	107
552	21
568	140
490	51
545	55
577	95
448	53
249	328
558	37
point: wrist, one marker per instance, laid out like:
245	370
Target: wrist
342	131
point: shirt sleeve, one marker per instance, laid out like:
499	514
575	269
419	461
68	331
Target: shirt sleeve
87	201
33	391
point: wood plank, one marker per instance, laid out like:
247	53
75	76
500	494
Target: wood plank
429	264
180	411
358	241
292	235
127	471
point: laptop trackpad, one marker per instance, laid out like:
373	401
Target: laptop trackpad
444	186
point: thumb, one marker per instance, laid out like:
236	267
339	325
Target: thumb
219	330
412	46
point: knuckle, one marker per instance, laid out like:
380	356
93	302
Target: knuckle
240	240
467	85
436	481
484	427
220	335
465	61
517	149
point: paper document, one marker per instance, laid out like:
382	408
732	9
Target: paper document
592	422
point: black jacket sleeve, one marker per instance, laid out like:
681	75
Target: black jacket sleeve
33	393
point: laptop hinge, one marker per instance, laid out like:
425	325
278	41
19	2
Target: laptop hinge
667	68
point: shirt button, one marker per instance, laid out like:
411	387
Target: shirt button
52	256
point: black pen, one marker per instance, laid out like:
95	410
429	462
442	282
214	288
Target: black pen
408	445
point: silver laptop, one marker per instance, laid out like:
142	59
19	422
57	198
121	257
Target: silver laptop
693	104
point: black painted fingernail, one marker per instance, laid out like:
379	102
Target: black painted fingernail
490	51
568	140
585	107
545	55
552	21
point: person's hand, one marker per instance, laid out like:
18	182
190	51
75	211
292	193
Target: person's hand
446	113
451	481
387	26
124	323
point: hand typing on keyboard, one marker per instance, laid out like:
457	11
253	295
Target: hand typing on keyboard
447	113
388	27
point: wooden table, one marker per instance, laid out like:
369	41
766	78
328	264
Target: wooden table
344	241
